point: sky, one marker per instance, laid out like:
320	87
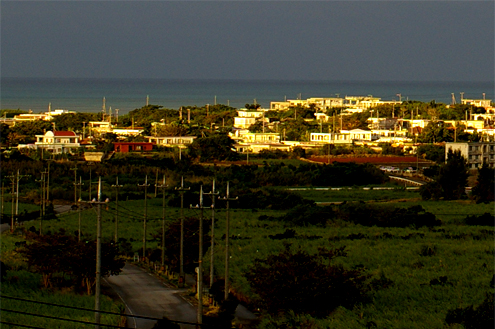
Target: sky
279	40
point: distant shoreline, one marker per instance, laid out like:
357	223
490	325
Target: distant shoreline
86	94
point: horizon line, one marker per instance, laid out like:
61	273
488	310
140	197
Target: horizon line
247	79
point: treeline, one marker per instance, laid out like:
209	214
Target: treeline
357	213
131	170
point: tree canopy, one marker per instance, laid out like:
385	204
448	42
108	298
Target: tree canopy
451	181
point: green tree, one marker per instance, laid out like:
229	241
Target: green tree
60	253
252	106
24	132
173	129
147	114
73	121
451	181
483	191
215	147
432	152
306	283
191	242
436	132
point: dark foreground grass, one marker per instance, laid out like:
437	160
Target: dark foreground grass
21	283
429	270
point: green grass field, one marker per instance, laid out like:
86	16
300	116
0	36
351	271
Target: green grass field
463	254
323	195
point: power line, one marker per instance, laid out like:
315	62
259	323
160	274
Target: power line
17	325
61	319
87	309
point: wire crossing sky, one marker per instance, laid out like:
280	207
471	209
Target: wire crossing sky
286	40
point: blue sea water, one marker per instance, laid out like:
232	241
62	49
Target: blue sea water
86	95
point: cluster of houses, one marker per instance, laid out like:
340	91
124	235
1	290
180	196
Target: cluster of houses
397	131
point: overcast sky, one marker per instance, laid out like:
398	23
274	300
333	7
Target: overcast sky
324	40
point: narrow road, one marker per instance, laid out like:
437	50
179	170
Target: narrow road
145	295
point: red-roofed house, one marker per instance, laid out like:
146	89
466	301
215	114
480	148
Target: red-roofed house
58	141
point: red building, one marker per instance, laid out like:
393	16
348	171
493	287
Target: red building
124	147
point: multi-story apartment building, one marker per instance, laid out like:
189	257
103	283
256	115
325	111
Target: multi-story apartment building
475	153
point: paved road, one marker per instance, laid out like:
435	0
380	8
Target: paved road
146	295
4	227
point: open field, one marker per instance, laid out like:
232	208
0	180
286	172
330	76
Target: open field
358	193
462	254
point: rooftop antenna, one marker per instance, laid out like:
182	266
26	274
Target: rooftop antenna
484	96
103	109
147	100
462	95
453	99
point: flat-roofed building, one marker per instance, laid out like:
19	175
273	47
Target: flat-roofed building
477	102
171	141
474	153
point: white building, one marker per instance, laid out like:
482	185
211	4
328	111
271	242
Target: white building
57	141
171	141
475	153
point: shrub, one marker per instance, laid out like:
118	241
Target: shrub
483	220
471	317
306	283
303	215
366	215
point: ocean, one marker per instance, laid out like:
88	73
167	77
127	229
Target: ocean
86	95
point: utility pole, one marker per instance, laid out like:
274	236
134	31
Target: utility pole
12	192
145	185
163	186
2	198
213	194
79	209
227	255
98	255
48	183
156	180
43	198
91	164
75	184
116	186
18	178
181	190
199	319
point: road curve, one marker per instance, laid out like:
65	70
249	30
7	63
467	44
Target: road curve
145	295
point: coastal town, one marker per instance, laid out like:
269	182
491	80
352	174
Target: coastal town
326	121
330	176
